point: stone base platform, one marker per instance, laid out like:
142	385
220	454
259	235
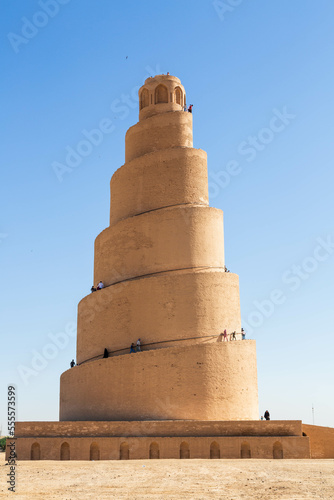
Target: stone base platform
159	439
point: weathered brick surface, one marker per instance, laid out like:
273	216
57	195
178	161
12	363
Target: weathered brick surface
200	382
321	440
169	447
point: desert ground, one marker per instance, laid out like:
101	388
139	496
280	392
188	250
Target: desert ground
172	479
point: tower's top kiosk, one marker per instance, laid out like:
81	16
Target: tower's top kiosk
161	94
162	122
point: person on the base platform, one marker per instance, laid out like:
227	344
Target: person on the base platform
138	345
190	108
99	286
267	415
225	336
72	363
243	333
132	348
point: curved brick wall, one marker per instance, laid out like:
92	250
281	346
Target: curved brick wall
163	240
163	131
169	306
201	382
164	178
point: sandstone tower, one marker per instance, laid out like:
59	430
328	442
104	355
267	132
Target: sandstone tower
162	263
189	393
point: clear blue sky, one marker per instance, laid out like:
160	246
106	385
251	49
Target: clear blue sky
242	67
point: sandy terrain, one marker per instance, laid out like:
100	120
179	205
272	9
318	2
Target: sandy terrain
173	479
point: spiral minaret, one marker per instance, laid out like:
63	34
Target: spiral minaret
162	263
